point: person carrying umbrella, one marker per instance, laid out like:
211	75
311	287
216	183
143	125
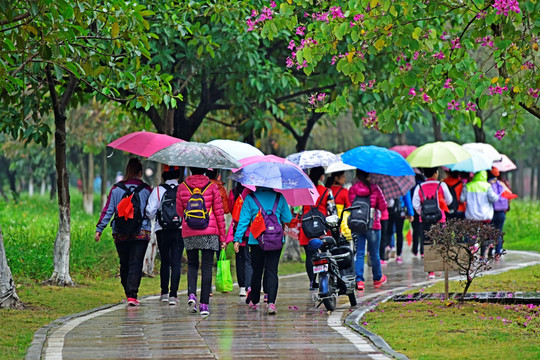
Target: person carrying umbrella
363	188
203	230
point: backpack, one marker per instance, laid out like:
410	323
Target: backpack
430	211
396	209
272	237
313	222
196	215
167	216
359	219
124	224
453	207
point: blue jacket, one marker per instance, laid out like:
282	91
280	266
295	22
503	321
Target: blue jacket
407	203
250	209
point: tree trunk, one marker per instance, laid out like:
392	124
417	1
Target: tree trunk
12	185
301	142
437	133
538	181
52	177
531	182
8	293
43	187
401	138
479	133
88	184
31	186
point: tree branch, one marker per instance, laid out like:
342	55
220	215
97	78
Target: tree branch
304	92
15	19
289	127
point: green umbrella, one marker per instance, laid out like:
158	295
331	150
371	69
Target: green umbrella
438	154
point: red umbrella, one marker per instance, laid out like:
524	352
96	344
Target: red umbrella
143	143
403	150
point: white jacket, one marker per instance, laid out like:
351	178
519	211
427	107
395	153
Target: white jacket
155	199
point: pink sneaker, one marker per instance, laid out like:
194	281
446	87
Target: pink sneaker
133	302
383	263
271	309
399	260
431	275
254	307
378	283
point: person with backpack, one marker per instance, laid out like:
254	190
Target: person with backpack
214	176
168	227
417	234
199	202
364	221
266	248
400	209
130	226
430	200
335	182
500	207
314	218
456	209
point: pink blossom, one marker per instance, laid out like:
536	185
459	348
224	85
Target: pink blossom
499	135
250	24
333	61
371	82
426	98
416	55
481	15
336	12
528	65
486	41
321	97
306	14
300	30
358	17
439	55
312	99
471	106
505	6
289	62
453	105
352	24
533	92
371	120
363	86
254	13
495	90
447	84
444	36
273	4
303	65
292	44
455	43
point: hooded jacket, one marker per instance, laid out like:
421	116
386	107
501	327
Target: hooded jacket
376	198
480	197
213	202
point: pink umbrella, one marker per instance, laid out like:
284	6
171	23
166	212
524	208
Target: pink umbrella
294	197
403	150
143	143
505	164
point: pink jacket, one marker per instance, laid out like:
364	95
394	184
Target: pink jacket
377	199
213	201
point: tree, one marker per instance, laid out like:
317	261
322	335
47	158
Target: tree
453	58
55	52
8	293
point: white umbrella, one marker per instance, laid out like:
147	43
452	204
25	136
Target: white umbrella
505	164
313	158
487	149
475	163
238	150
339	166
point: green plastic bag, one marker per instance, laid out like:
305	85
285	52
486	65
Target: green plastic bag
224	281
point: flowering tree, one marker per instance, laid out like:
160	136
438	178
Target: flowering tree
452	59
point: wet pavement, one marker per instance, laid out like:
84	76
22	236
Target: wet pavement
232	331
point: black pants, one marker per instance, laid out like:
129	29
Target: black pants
395	222
417	236
309	264
131	254
385	239
244	271
207	260
171	247
264	262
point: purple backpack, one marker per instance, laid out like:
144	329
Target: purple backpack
272	237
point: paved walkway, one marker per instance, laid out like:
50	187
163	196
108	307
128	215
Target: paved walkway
299	330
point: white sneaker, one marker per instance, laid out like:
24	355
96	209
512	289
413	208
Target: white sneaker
164	297
242	292
173	300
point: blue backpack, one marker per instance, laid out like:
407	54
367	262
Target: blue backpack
271	238
196	215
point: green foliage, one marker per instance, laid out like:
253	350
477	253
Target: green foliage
522	226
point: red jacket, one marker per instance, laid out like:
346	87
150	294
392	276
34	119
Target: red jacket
377	199
304	240
341	195
213	201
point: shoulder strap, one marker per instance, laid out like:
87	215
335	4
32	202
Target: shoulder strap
166	186
206	187
319	202
122	186
139	188
257	202
188	187
423	194
338	192
455	185
276	202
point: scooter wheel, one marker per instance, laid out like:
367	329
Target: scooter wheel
352	298
330	303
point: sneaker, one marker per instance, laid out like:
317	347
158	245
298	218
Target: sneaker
242	292
192	303
133	302
387	252
383	263
203	309
422	256
393	253
431	275
173	300
164	297
265	299
254	307
248	296
377	283
271	309
359	285
399	260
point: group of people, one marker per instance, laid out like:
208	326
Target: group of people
199	203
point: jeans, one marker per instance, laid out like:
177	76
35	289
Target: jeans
243	267
498	222
417	236
373	239
171	247
264	262
395	225
309	264
131	254
207	261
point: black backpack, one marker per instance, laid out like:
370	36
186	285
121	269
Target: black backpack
360	218
167	216
133	225
453	207
313	222
430	211
396	209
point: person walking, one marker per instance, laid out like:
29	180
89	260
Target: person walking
500	207
417	234
264	262
377	203
203	230
327	206
432	188
335	182
130	226
400	209
456	210
168	228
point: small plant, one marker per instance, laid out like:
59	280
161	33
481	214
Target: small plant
459	243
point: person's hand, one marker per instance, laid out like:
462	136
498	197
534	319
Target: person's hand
236	247
97	237
410	218
223	246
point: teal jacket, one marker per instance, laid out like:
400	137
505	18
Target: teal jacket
250	209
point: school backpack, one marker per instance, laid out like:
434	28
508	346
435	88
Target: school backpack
430	212
453	207
271	238
196	215
125	224
167	216
360	217
313	221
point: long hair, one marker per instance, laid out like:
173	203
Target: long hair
363	177
237	190
197	171
315	174
133	169
332	178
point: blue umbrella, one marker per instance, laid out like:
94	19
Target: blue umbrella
475	163
274	175
377	160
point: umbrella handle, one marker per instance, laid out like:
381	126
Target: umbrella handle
108	156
